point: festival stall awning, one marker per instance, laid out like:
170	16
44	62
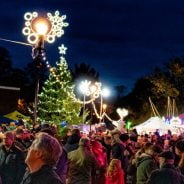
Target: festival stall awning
15	115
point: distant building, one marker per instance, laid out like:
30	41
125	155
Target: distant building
8	99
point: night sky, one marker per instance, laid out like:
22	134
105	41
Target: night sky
121	39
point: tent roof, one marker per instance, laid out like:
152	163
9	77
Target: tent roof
152	124
15	115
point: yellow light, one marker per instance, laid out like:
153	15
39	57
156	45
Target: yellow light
41	26
104	106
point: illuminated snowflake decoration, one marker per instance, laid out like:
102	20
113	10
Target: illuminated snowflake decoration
96	89
55	22
84	87
89	89
62	49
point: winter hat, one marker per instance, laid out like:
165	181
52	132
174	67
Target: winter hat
124	137
168	155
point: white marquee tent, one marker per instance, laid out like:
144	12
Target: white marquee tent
156	124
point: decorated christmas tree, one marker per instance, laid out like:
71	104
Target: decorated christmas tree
57	102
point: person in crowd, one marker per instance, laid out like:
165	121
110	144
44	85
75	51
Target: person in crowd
4	128
41	159
132	169
81	163
101	157
20	124
167	174
128	151
147	162
156	139
166	145
27	138
11	126
118	149
62	165
19	136
12	166
73	141
107	141
115	174
179	150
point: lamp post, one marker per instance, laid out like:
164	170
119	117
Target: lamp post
84	88
39	29
105	92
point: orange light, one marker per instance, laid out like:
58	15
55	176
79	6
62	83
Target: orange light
41	26
104	106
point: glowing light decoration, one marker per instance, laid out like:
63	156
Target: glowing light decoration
50	26
62	49
104	106
84	87
105	92
122	112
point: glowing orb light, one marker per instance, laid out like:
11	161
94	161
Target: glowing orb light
105	92
104	106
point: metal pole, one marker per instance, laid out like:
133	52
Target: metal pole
101	106
84	109
36	101
37	56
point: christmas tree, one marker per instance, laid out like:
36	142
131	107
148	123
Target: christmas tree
57	102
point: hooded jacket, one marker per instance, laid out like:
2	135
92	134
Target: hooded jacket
145	165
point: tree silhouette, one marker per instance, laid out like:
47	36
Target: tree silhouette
5	60
84	71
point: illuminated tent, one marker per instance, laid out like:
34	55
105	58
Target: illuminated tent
152	125
15	115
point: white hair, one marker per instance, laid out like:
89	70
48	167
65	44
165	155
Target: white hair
49	146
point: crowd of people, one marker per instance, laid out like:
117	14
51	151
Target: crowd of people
40	156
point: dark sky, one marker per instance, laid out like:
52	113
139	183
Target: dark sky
122	39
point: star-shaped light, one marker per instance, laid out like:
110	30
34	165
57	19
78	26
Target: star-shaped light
62	49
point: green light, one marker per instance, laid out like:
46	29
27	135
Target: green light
128	125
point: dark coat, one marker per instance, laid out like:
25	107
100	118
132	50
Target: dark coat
72	143
118	153
145	165
62	166
12	166
46	175
166	175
